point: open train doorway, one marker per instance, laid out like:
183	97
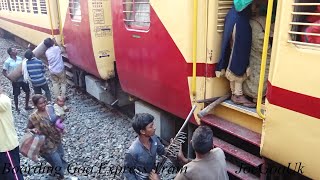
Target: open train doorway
244	92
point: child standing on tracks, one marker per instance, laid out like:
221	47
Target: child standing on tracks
56	67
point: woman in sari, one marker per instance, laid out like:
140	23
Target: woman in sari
235	50
52	150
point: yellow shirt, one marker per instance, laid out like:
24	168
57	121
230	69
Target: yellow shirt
8	134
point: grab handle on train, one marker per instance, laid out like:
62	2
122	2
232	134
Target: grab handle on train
264	59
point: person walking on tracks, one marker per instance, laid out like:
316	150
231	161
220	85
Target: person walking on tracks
36	72
9	66
52	150
9	146
56	68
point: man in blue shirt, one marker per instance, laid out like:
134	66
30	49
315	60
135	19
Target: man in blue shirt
36	72
140	159
9	65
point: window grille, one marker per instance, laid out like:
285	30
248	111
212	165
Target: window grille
22	5
8	4
12	5
17	5
35	6
5	5
300	25
223	7
136	14
75	10
1	5
28	6
43	7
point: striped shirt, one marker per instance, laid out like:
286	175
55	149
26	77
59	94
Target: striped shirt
36	72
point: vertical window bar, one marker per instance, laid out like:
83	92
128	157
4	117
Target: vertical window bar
22	5
28	6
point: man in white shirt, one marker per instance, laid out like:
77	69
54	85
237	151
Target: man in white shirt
8	67
9	146
56	68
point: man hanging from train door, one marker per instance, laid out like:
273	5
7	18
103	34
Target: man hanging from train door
235	50
9	66
56	68
257	22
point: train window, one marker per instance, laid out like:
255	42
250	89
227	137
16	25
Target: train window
8	5
28	6
223	7
4	5
17	5
22	5
35	6
75	10
43	7
11	4
305	26
137	14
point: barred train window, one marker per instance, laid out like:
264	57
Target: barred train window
8	4
75	10
43	7
12	5
2	5
305	26
22	5
5	5
17	5
137	14
35	6
223	8
28	6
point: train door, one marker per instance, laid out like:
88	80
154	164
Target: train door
291	129
218	86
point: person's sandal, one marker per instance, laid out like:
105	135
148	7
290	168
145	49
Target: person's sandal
243	101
